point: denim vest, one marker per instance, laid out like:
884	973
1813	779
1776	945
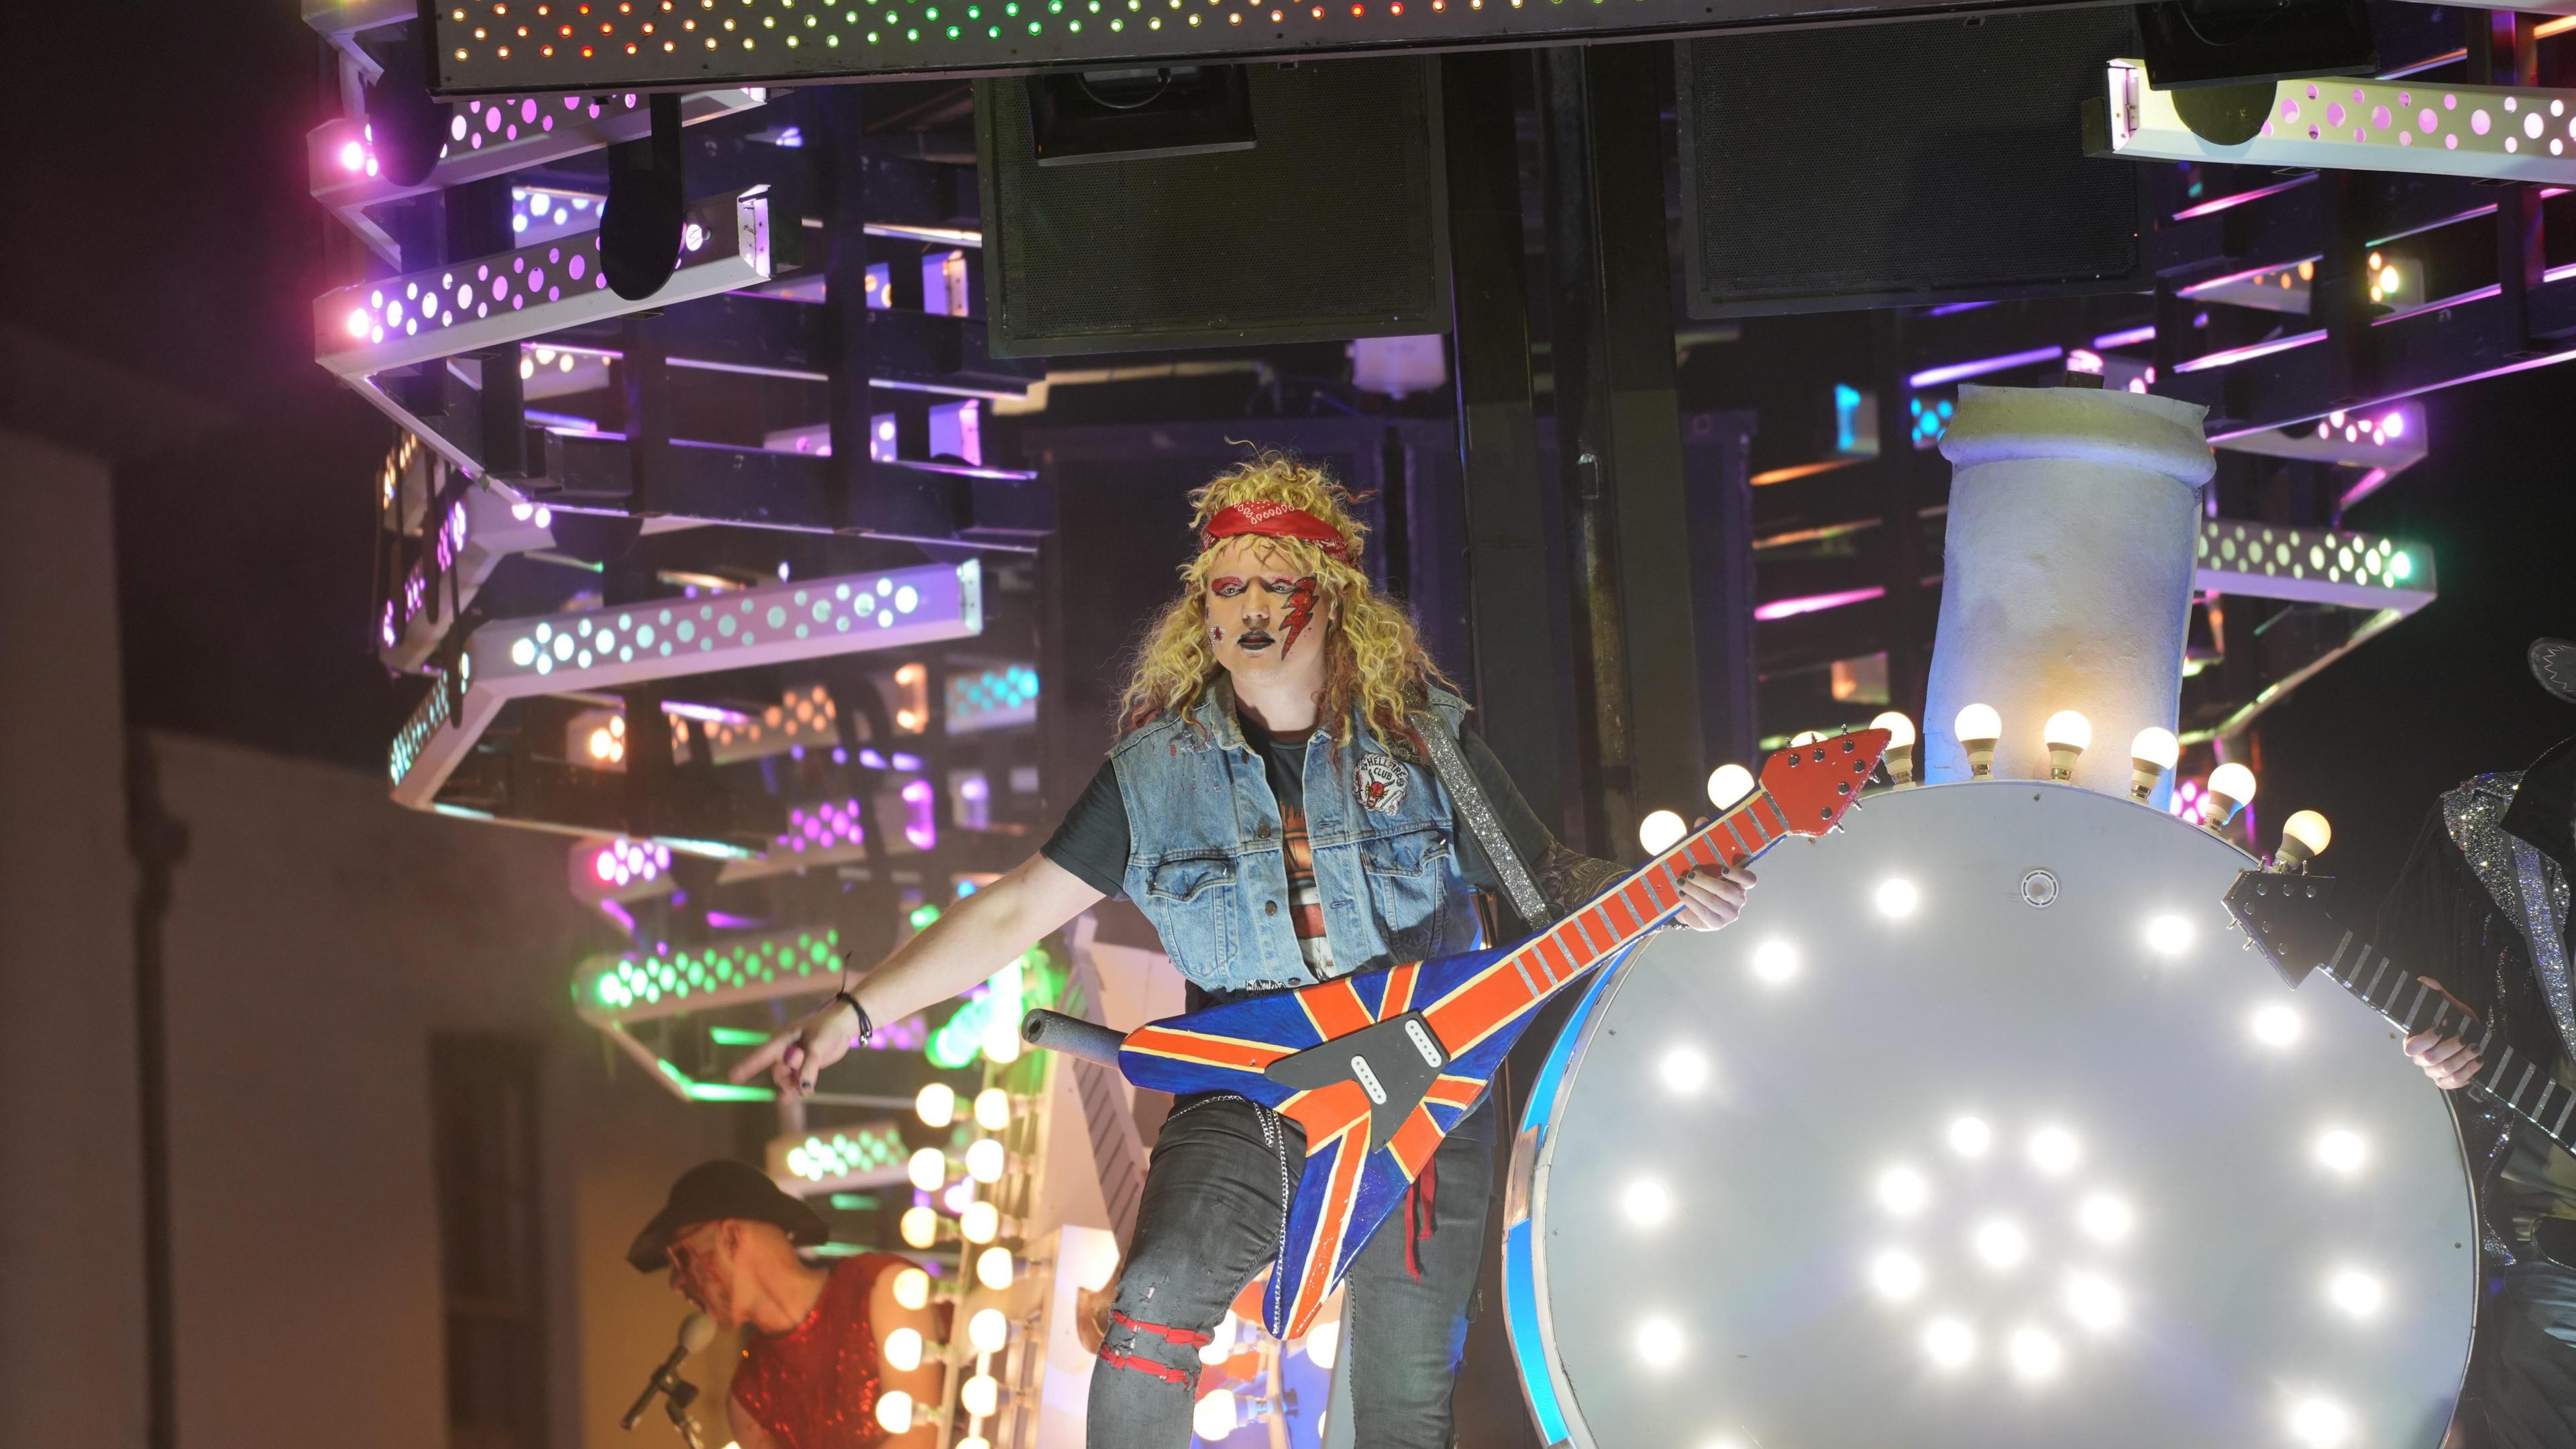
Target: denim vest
1206	865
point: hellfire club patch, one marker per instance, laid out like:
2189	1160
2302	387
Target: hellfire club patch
1381	784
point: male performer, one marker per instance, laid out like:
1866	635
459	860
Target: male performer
2483	907
811	1375
1269	807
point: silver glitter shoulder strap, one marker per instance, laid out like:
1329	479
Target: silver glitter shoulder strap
1467	793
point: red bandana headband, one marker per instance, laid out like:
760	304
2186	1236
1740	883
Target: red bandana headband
1273	520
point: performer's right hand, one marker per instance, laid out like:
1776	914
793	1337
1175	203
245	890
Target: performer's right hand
795	1056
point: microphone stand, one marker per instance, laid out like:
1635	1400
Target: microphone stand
678	1394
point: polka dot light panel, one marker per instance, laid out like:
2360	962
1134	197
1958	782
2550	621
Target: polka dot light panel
537	289
612	648
512	45
2312	565
2487	132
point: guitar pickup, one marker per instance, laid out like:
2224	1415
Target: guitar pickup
1394	1062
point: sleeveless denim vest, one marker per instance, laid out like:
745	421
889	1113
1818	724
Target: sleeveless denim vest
1206	865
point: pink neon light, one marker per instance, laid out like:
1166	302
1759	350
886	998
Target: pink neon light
2130	338
2222	203
2197	288
2456	299
2370	483
2209	360
1815	603
1935	376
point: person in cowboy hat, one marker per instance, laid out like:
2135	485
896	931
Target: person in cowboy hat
2482	909
1270	807
812	1372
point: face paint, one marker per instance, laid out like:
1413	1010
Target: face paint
1301	611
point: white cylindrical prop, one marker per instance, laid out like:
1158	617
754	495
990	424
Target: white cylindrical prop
2067	573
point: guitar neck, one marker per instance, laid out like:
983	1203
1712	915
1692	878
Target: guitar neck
1611	921
2527	1087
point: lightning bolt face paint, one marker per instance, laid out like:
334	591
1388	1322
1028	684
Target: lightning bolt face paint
1300	612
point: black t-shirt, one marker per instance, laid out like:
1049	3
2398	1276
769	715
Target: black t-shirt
1092	843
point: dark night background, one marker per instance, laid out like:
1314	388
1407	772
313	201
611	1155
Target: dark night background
162	226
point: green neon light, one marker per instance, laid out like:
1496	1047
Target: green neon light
856	1202
735	1036
635	978
922	916
728	1092
961	1039
839	1250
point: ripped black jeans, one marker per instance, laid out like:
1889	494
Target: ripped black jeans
1211	1218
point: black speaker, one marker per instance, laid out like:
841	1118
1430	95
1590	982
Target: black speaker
1904	164
1332	224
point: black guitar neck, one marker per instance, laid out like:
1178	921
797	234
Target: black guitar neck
2286	916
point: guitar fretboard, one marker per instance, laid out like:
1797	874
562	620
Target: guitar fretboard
2528	1087
1646	898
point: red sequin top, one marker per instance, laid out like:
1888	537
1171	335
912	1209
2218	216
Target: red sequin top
815	1386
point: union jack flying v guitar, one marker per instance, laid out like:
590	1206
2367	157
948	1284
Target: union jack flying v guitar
1379	1067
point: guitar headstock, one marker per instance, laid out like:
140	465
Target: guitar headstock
1813	784
2289	918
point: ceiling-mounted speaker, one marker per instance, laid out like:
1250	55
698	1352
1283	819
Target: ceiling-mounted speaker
1956	148
1333	226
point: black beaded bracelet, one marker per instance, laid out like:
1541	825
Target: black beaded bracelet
867	1028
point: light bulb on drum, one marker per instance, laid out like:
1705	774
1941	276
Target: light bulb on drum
1979	728
2067	735
2304	837
1900	747
2151	754
2231	788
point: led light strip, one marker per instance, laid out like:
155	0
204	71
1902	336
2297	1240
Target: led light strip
480	530
2312	566
611	648
538	289
487	138
843	1159
2489	132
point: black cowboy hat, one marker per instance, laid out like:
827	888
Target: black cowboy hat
714	1191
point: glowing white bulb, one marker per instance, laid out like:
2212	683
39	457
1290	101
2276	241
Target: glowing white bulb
1896	898
2034	1354
1897	1276
1213	1417
2304	836
2355	1292
1902	1191
2274	1025
974	1441
2095	1301
2104	1218
980	1396
2234	781
1220	1344
1659	1342
1658	831
1646	1203
903	1349
984	1160
1774	963
1949	1343
993	1268
1322	1342
911	1287
936	1104
1900	730
894	1411
2053	1150
1805	737
1970	1137
992	1109
2157	746
2000	1245
1685	1072
1001	1042
2341	1151
928	1169
2168	935
2067	729
981	1222
920	1227
2319	1423
1727	784
1978	722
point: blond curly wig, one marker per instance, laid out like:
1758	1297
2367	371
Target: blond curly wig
1374	664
